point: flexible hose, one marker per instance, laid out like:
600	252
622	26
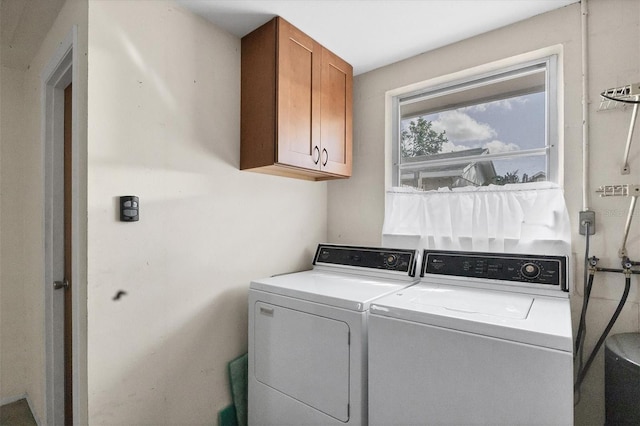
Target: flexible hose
583	372
583	322
586	290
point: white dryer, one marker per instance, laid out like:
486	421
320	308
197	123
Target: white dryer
308	335
482	339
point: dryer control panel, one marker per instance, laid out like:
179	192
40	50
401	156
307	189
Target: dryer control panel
544	270
399	260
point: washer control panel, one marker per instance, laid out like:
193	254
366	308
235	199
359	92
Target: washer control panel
399	260
544	270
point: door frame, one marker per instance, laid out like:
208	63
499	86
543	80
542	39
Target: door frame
63	69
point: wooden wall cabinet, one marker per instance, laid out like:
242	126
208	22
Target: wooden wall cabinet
296	105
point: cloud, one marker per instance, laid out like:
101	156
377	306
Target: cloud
461	127
451	147
496	146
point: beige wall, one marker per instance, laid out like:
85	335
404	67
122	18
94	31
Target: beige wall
356	206
22	369
164	124
13	344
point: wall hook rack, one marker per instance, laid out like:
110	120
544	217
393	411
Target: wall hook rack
621	96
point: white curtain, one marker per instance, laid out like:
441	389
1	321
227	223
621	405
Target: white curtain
520	218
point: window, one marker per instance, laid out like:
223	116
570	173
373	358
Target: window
494	128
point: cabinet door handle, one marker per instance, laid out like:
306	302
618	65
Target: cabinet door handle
316	150
326	156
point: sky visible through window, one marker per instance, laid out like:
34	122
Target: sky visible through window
506	125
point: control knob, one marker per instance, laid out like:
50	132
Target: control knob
530	270
391	260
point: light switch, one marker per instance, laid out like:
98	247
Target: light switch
129	208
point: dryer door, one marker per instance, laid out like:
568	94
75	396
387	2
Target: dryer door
304	356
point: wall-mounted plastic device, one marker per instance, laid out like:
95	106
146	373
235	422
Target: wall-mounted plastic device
129	208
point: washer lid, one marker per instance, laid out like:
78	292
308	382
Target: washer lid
342	290
536	320
504	305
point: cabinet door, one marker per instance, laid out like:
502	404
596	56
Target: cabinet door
336	115
299	66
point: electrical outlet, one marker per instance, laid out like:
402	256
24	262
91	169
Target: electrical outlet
589	217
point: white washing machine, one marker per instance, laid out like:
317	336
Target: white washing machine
308	335
482	339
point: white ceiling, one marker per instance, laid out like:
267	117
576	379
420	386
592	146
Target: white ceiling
372	33
366	33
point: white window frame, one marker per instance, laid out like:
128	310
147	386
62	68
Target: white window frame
483	75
